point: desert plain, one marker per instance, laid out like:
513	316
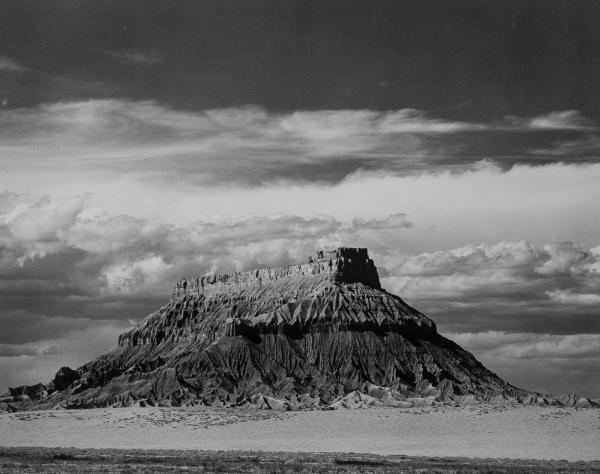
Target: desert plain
495	438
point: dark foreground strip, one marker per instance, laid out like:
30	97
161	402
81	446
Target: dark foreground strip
54	460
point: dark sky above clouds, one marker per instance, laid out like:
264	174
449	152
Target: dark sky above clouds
460	141
473	59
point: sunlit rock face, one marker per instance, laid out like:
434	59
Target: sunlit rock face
319	334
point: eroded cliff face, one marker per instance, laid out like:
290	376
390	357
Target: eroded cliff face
313	335
289	306
342	265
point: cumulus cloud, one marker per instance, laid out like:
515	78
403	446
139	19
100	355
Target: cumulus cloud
503	267
505	286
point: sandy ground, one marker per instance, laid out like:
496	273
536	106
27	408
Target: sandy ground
528	432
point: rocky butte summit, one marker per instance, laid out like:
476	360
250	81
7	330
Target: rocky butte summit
322	334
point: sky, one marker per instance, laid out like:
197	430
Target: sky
143	142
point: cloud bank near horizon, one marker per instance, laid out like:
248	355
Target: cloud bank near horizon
549	362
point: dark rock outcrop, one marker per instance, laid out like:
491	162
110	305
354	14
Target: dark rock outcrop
31	392
64	378
318	334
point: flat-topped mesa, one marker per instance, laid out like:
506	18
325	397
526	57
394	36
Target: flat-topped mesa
342	265
299	336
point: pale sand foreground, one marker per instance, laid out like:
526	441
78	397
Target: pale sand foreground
491	431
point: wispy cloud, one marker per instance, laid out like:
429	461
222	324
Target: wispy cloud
212	146
393	221
563	120
583	148
570	297
134	56
10	65
531	345
17	350
132	125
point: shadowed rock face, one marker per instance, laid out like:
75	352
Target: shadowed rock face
320	334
